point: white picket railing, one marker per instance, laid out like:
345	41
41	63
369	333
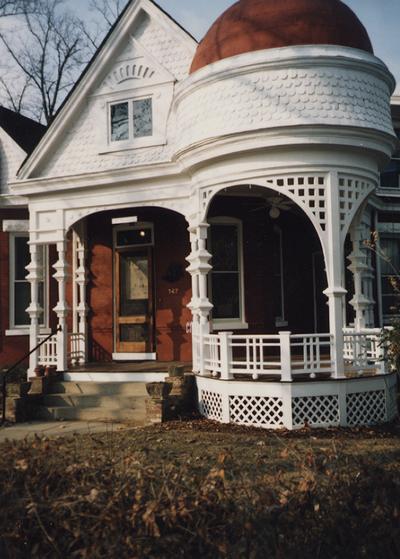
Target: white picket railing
76	345
48	351
288	356
312	354
365	350
280	355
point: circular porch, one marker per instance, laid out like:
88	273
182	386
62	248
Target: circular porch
292	405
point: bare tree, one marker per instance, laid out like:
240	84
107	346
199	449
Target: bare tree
105	13
108	10
48	52
15	7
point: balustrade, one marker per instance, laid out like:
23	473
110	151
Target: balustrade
288	356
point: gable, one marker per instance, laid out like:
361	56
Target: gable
145	55
11	157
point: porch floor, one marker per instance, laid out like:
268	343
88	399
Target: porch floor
129	367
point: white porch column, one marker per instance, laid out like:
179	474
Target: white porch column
81	282
61	309
358	267
199	305
34	310
335	291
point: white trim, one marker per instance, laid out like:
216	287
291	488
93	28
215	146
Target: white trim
239	321
133	356
115	377
24	331
16	226
126	220
229	324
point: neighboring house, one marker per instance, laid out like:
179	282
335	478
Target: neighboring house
18	137
254	157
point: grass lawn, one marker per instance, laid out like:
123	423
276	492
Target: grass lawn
197	489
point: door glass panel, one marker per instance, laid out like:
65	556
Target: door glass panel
134	286
134	332
134	237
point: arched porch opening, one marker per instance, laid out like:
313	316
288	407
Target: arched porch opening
268	269
122	291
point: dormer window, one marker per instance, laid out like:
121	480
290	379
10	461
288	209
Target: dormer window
130	120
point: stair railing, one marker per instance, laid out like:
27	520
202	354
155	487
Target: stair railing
11	369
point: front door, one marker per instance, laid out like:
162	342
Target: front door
134	337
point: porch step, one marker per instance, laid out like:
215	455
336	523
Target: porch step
137	416
100	388
94	401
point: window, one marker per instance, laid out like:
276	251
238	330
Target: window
390	246
226	279
130	120
390	177
20	292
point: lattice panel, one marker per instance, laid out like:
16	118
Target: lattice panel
392	410
351	193
366	408
315	410
308	191
261	411
211	405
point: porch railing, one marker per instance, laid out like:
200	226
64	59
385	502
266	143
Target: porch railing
282	355
48	351
287	356
365	350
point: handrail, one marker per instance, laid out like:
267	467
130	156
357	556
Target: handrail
5	375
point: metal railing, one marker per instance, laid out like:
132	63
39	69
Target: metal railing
6	374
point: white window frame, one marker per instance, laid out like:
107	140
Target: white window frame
132	141
234	323
23	329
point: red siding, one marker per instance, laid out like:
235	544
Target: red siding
171	314
12	348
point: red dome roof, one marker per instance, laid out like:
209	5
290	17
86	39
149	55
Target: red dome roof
251	25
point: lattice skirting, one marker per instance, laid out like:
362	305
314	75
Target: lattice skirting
211	405
260	411
274	405
315	410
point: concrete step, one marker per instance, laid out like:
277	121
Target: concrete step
56	413
108	402
100	388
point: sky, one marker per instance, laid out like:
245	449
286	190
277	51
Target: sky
380	17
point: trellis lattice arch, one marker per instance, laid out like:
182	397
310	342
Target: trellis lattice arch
72	216
306	190
353	192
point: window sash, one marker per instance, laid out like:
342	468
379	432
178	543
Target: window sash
234	271
19	288
139	120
